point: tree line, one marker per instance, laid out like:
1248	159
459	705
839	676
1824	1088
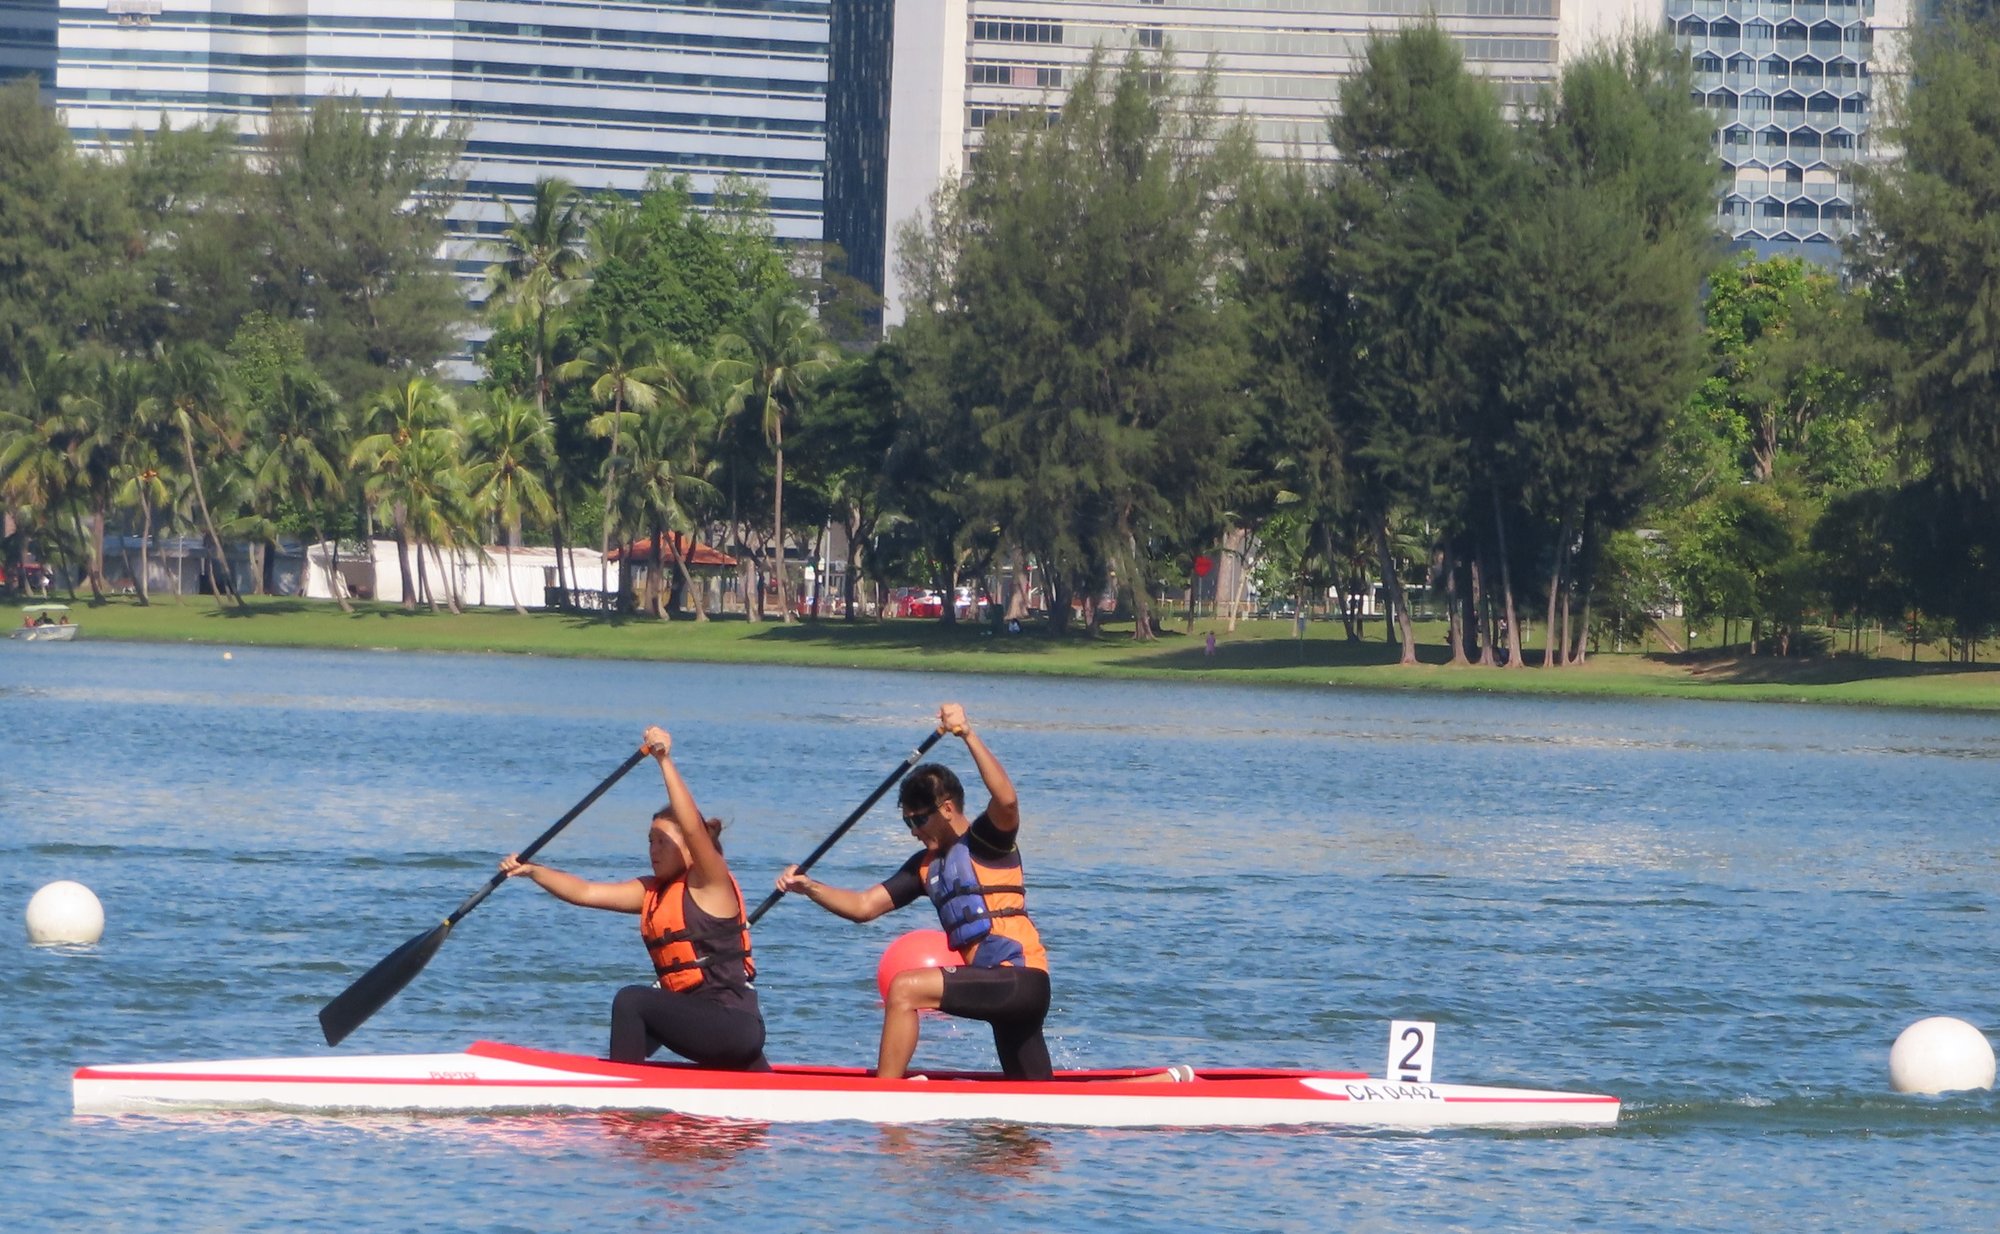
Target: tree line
1498	357
1501	356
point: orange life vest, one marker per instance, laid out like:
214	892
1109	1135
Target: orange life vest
686	958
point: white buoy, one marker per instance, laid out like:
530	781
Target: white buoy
229	655
1940	1055
65	912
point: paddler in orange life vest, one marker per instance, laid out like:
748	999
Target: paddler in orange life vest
691	918
970	868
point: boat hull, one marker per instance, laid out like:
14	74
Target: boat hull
43	634
490	1076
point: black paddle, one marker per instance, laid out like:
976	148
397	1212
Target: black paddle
901	770
352	1007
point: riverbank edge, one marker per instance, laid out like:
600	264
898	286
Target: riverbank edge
1248	656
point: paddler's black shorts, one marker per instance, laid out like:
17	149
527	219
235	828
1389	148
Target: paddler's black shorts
721	1028
1015	1001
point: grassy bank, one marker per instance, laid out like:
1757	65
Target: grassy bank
1256	652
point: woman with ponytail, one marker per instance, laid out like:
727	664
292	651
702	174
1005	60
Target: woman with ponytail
703	1006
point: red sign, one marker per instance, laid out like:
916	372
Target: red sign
1202	566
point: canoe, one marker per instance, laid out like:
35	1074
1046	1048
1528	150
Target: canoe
490	1076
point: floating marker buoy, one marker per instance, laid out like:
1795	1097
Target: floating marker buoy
1940	1055
229	655
917	949
65	912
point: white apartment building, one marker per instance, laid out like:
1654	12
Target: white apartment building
600	92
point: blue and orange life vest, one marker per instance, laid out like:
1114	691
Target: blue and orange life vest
685	957
983	908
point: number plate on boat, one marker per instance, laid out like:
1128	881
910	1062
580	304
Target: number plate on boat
1410	1045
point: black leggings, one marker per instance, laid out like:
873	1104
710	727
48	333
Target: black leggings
1015	1001
724	1029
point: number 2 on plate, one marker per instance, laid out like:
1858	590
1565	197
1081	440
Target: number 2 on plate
1411	1043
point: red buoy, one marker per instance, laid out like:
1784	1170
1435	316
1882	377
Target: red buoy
917	949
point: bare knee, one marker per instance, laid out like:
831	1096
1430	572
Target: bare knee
915	989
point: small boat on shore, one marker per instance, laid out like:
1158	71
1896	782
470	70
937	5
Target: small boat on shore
44	623
490	1076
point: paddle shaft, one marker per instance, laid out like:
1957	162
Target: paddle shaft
888	782
528	853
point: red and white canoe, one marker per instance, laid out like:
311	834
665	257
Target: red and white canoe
490	1076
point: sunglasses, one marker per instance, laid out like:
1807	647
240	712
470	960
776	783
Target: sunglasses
915	822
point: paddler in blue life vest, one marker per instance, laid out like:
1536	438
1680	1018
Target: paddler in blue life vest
691	918
970	868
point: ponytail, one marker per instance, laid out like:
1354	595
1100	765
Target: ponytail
713	823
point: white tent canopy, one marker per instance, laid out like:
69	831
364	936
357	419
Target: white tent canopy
473	576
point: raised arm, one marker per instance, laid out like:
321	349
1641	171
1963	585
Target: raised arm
624	897
706	867
1005	808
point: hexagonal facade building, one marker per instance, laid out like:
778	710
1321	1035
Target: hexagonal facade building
1794	86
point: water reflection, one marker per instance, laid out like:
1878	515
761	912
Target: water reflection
683	1139
999	1150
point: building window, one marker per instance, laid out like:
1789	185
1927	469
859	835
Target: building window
1017	32
1020	76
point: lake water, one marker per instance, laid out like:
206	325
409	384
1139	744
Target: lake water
1722	913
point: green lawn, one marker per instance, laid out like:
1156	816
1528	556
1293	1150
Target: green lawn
1256	652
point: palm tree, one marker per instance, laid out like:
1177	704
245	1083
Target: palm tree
298	437
542	264
768	365
191	385
617	235
513	442
37	471
142	482
437	504
668	471
136	423
621	370
90	423
399	449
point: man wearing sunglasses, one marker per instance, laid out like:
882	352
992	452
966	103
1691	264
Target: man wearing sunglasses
971	871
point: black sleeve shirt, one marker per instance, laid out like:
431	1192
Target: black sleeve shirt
906	885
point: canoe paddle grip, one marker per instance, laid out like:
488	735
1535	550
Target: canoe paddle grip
888	782
528	853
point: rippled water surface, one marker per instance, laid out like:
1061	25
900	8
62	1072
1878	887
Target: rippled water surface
1721	913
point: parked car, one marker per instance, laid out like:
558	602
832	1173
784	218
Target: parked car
916	602
831	604
971	602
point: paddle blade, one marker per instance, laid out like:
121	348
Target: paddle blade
352	1007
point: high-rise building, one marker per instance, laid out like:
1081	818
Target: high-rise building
861	34
600	92
28	41
1794	85
954	65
